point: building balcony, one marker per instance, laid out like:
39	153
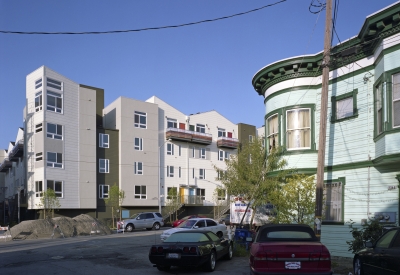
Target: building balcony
17	151
189	136
186	200
5	165
227	142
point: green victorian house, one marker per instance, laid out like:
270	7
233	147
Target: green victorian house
362	159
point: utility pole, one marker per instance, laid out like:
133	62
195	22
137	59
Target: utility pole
322	123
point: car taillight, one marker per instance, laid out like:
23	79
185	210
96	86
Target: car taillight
259	260
191	250
160	249
325	259
154	250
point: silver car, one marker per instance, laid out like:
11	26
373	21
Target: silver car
148	220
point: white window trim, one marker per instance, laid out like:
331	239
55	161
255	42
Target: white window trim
58	110
142	196
102	194
54	135
102	143
106	168
140	146
40	96
54	164
170	149
170	171
294	129
57	192
139	124
136	166
202	174
38	194
203	153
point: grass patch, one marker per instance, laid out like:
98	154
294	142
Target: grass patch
239	250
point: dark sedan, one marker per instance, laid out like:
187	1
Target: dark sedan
191	248
382	257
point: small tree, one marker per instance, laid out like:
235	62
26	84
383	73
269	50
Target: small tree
220	202
115	199
370	231
172	203
295	200
49	202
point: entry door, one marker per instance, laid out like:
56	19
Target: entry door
182	194
192	195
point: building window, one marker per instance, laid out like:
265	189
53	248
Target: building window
172	123
170	171
396	100
38	127
54	102
202	152
344	106
251	138
223	155
138	168
273	131
54	131
221	132
180	150
38	189
54	160
170	149
221	194
202	174
201	193
57	187
333	195
172	193
378	108
140	192
38	101
140	120
200	128
138	144
38	83
179	172
221	174
103	191
104	166
39	156
54	84
193	173
298	129
104	141
193	153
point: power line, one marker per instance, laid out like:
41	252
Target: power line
151	28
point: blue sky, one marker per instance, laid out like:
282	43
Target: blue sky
196	68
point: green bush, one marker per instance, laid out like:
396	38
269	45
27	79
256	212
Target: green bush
370	231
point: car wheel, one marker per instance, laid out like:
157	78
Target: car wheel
156	226
357	268
163	267
129	227
210	265
220	234
230	252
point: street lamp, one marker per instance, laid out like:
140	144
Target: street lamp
159	175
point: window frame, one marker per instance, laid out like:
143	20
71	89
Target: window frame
137	120
103	144
55	84
221	132
312	149
201	193
202	153
138	147
39	156
58	98
140	195
277	113
172	123
138	171
170	149
102	194
54	135
170	171
106	168
38	188
59	194
336	99
39	127
202	173
38	101
38	83
58	163
392	101
342	181
200	128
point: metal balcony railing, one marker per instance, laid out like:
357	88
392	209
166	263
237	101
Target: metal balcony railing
187	199
186	135
228	142
17	151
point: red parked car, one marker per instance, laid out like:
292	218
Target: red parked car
178	222
288	249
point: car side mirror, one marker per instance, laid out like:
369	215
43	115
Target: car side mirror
369	244
196	227
138	218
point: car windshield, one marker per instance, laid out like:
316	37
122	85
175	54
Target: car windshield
186	237
134	216
187	224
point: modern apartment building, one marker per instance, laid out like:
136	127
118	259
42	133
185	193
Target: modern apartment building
362	161
74	145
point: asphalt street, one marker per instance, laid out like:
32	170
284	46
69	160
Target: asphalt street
125	253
